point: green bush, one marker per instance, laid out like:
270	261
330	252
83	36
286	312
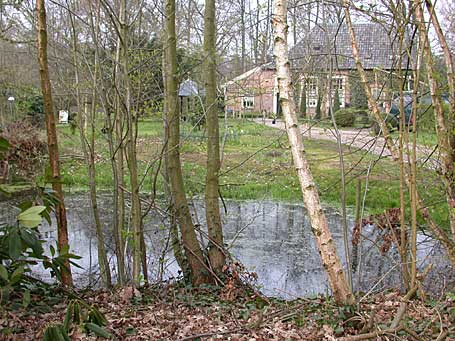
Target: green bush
346	117
303	104
358	95
21	247
363	118
318	113
26	149
336	101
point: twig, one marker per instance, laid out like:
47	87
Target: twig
402	309
197	336
372	335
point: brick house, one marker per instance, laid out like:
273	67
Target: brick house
256	90
252	91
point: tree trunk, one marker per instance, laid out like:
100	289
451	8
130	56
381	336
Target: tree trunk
190	243
131	120
444	128
212	207
340	287
437	231
52	141
243	33
88	150
118	157
175	238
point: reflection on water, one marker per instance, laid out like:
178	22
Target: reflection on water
270	238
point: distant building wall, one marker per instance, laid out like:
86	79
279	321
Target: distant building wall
253	93
256	90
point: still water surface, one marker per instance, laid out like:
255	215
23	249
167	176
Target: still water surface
273	239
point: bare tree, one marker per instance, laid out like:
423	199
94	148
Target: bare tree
193	252
437	230
338	283
52	140
212	207
88	149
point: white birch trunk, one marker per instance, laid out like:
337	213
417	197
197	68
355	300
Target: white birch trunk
340	288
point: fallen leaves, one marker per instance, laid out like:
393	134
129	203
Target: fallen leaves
205	314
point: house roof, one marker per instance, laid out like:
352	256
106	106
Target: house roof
245	75
376	47
188	88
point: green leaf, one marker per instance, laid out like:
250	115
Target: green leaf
97	317
97	330
14	245
31	217
68	316
26	298
77	313
3	272
55	333
4	144
32	241
25	205
34	210
17	275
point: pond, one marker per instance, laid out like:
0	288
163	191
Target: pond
273	239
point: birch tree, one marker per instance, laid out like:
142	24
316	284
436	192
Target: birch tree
326	246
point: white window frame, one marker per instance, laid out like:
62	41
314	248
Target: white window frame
248	102
312	90
312	102
341	89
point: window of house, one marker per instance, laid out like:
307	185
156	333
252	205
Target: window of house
338	84
312	86
312	92
248	102
312	102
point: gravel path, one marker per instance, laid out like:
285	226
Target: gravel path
359	138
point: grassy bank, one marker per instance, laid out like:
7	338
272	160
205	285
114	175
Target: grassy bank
257	165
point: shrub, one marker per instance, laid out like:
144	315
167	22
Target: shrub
345	117
363	118
303	104
21	248
336	101
318	115
25	147
28	102
358	95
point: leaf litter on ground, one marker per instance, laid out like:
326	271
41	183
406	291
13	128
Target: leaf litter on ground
174	311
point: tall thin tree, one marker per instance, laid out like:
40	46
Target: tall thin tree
52	140
212	207
193	252
327	249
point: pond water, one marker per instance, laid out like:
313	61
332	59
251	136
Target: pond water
273	239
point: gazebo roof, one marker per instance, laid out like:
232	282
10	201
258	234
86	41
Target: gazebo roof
189	88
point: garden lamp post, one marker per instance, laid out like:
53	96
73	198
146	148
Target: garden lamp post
11	100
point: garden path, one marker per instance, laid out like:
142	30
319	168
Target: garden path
362	139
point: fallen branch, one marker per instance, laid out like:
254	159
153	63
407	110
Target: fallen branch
372	335
197	336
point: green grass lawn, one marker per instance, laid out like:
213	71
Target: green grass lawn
424	138
257	165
